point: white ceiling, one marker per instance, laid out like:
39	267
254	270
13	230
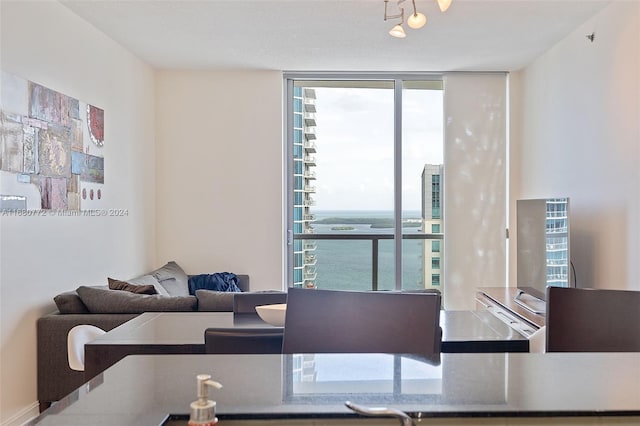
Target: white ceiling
335	35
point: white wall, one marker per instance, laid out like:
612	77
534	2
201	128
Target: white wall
220	192
578	134
43	256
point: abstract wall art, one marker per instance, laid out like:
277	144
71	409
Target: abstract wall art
51	148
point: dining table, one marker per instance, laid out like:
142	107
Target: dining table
156	333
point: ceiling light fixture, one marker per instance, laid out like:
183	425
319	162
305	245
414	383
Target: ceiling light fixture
444	5
416	19
398	31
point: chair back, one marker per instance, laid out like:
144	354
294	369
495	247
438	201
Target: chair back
592	320
328	321
258	340
77	337
245	303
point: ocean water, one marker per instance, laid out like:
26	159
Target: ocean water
347	264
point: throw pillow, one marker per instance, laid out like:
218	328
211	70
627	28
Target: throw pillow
149	280
173	279
214	301
138	289
101	301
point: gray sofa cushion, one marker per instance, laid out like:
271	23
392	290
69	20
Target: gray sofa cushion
215	301
100	301
243	282
172	278
70	303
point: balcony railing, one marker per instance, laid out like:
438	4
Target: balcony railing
557	230
309	118
558	214
556	247
310	241
557	278
310	105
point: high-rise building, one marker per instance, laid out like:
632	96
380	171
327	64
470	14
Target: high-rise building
304	260
304	148
432	253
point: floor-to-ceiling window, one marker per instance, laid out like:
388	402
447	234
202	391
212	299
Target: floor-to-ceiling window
365	182
356	218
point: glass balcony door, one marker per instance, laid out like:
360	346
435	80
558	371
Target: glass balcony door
358	151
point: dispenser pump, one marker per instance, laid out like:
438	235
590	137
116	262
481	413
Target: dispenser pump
203	411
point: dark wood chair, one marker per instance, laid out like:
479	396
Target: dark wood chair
259	340
327	321
592	320
245	303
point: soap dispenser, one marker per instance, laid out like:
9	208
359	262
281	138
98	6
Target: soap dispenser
203	411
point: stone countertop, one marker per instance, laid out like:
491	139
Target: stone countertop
143	390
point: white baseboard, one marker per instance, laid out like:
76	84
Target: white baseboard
23	416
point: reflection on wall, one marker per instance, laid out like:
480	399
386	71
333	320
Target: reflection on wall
51	149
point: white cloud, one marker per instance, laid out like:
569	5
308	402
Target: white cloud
355	146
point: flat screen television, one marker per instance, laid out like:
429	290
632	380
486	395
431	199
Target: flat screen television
543	255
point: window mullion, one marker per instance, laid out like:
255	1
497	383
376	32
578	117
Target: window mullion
397	169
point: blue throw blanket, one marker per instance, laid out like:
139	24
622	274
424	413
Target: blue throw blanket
220	281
